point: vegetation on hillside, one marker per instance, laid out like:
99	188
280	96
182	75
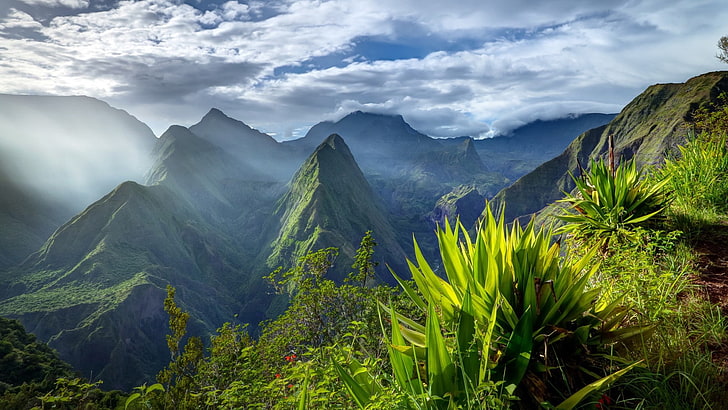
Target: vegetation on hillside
507	317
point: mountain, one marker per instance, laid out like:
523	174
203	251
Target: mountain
647	128
223	205
528	146
330	203
73	149
26	220
94	289
57	155
372	138
198	170
408	170
257	150
28	367
463	202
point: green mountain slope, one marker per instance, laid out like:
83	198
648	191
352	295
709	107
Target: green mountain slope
26	220
648	127
95	289
198	170
24	360
408	170
216	216
330	203
57	155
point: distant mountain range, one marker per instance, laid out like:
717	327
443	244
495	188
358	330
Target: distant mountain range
219	205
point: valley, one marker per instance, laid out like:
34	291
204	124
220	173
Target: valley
220	205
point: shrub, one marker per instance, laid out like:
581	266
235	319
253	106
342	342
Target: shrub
511	312
610	202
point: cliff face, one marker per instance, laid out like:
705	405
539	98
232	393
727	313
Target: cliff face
647	128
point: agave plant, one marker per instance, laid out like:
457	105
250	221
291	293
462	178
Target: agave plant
507	302
610	201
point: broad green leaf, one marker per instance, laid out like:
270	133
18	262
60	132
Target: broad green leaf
518	350
467	345
358	393
441	371
577	397
131	399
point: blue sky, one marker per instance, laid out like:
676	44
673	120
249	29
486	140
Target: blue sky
470	67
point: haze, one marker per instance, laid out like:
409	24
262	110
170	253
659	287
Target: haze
72	151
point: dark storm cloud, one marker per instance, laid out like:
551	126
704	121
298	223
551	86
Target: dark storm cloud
169	79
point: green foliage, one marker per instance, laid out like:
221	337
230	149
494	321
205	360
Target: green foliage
653	274
510	294
178	378
698	176
317	312
610	202
24	359
648	273
363	263
723	47
28	367
144	397
78	394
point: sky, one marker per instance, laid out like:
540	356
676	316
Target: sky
451	68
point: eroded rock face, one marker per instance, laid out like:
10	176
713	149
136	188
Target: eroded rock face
464	202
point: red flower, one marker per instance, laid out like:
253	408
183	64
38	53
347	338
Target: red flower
291	358
278	375
290	386
603	402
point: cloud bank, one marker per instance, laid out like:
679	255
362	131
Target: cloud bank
469	68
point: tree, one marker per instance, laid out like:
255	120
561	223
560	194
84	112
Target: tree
178	377
723	47
363	263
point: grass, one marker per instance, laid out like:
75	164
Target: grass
699	183
655	273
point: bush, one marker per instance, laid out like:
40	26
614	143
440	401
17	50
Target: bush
511	312
610	202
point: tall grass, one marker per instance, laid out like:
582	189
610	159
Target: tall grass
654	272
698	180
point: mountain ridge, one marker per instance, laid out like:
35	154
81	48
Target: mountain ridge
329	191
212	222
649	127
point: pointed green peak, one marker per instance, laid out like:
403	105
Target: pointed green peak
331	162
334	151
334	141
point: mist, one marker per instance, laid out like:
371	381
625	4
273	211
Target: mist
71	150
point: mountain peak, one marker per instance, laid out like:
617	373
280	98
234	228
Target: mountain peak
334	141
336	157
329	203
216	112
360	113
216	118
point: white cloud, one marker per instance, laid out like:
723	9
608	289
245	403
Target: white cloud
74	4
232	10
19	19
165	60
